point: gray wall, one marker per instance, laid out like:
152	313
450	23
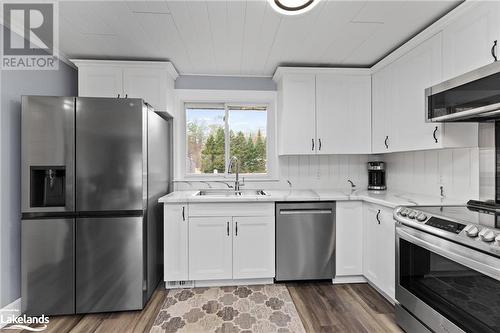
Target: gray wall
14	84
224	82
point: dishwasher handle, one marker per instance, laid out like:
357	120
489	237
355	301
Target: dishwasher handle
305	211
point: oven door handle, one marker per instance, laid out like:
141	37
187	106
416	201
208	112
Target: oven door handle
478	261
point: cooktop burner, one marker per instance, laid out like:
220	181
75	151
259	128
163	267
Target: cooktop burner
476	228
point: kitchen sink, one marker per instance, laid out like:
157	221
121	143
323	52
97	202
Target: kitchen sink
231	193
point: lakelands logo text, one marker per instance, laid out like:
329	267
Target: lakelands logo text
30	38
33	324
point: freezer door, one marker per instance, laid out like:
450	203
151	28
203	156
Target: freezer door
109	154
47	267
47	146
109	264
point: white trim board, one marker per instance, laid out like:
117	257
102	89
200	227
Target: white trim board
13	308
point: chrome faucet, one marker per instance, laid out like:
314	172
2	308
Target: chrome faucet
353	186
234	161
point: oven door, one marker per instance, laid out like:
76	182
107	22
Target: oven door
447	286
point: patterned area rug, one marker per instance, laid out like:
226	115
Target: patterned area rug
259	309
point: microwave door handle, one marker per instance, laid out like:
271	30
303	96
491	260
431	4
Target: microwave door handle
457	253
487	110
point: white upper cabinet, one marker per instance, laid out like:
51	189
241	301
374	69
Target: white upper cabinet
468	40
343	113
296	115
382	106
149	84
399	100
323	111
100	81
399	104
151	81
413	73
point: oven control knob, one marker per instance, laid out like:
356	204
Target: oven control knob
403	212
471	230
487	235
421	217
412	214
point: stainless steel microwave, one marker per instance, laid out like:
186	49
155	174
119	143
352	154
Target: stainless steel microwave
471	97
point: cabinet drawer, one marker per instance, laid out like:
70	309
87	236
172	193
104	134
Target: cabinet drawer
232	209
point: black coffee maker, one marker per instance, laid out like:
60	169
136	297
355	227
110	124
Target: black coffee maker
376	176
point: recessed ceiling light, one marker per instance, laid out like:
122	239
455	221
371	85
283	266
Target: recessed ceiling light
292	7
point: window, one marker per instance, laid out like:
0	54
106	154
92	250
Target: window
217	132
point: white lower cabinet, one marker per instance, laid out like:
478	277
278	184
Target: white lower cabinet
349	239
238	244
175	242
253	247
379	248
210	248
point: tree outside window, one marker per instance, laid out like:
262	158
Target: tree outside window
215	133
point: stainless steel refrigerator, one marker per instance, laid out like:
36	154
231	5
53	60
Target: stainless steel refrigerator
92	229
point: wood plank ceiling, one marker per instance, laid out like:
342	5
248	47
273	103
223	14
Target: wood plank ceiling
238	37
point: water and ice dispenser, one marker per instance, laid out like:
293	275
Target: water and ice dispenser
48	186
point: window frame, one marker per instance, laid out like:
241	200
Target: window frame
227	139
226	98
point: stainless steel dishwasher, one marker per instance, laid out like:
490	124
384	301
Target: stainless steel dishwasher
305	241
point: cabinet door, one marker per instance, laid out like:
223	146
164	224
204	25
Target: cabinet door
253	247
382	110
349	236
210	248
413	73
297	121
387	240
379	248
100	81
468	40
343	114
176	242
371	254
149	84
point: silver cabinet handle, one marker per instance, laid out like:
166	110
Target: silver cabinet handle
236	229
319	140
493	51
312	141
227	228
385	142
304	211
183	213
378	216
434	134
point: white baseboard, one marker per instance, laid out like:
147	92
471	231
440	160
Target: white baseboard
10	311
349	279
220	283
387	297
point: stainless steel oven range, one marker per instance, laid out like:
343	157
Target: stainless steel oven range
447	269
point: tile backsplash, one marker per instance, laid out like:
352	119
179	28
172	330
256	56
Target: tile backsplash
424	172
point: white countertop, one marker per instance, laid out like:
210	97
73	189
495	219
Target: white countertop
385	198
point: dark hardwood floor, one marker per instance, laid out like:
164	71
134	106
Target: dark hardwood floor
322	307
